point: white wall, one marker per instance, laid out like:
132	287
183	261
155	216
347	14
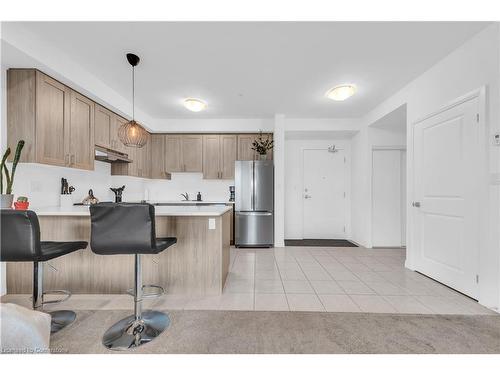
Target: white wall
294	181
473	65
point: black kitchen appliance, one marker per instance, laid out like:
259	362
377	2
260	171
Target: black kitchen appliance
231	192
118	193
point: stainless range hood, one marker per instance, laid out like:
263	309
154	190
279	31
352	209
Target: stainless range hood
110	156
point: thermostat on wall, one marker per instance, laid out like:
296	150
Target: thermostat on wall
496	139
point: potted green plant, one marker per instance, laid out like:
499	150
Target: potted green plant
8	197
262	146
21	203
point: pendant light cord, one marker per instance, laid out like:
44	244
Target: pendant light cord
133	93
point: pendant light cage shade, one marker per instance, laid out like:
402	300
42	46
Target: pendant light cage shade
132	134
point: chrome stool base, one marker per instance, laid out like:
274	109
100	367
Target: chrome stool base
130	333
61	319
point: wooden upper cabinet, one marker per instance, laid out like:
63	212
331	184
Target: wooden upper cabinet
192	153
115	142
158	156
211	156
219	155
228	151
103	124
52	121
81	132
145	159
245	151
173	145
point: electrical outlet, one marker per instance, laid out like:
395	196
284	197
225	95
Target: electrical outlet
211	223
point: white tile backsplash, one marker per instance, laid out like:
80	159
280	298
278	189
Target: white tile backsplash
42	183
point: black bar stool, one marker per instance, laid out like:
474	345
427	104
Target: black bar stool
129	228
20	242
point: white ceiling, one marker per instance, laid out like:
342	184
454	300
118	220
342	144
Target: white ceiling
256	69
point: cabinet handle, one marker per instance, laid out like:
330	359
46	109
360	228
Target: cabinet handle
72	159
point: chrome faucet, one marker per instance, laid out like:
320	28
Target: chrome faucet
185	196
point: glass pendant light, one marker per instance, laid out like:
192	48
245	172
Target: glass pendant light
132	134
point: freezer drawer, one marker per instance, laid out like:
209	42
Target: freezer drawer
254	229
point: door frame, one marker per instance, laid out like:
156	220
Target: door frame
347	184
386	148
482	185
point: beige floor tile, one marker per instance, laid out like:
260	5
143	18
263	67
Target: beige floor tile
292	275
369	276
298	286
317	274
239	286
373	304
271	302
304	302
237	301
442	305
344	275
355	287
386	288
338	303
326	287
269	286
357	267
407	305
273	274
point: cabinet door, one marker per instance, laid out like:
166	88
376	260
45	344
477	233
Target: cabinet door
158	156
116	144
173	145
145	166
211	156
81	133
192	153
103	124
52	121
245	151
227	155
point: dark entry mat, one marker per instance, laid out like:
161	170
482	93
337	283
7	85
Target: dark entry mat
319	242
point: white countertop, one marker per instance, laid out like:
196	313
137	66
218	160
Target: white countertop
190	202
159	211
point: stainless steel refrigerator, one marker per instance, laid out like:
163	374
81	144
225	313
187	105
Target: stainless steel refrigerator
254	203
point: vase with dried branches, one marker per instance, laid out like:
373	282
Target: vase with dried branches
262	145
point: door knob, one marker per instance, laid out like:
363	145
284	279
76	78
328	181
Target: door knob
306	196
416	204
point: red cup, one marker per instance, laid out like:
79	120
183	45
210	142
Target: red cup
21	205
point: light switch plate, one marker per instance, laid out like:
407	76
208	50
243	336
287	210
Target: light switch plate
211	223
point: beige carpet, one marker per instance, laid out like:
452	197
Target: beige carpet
294	332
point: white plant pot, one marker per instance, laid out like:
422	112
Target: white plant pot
66	200
7	200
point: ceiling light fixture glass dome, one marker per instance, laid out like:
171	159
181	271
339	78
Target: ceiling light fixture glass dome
341	92
194	105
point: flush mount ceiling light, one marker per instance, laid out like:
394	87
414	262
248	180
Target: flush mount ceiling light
194	105
341	92
131	133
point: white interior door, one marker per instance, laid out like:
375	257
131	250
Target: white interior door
403	198
445	187
324	194
386	198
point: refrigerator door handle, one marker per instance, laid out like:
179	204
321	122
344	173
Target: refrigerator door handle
253	185
254	213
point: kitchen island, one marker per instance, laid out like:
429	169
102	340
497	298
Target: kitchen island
198	264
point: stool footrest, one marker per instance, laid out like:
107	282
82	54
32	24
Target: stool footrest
65	293
160	291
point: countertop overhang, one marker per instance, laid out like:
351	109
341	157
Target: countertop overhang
174	210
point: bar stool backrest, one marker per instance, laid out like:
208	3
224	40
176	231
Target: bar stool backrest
122	228
19	236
